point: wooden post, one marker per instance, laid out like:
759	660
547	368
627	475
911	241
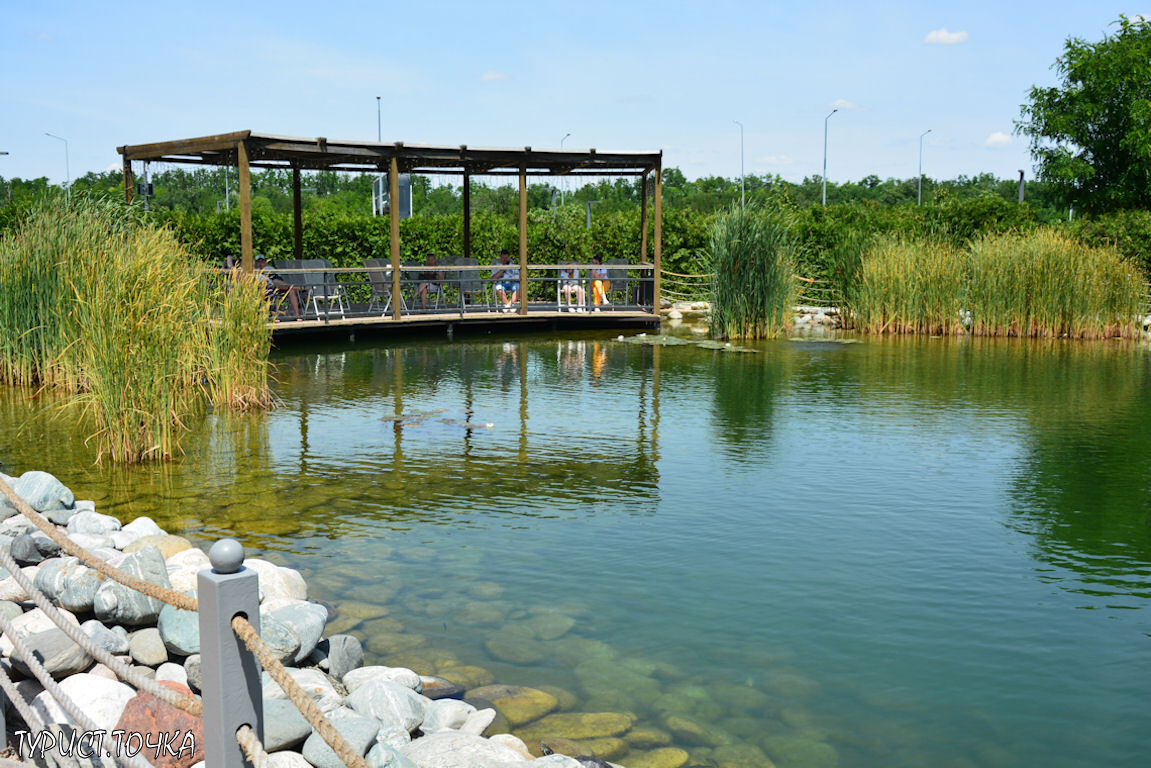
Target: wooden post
643	220
467	214
523	240
658	234
245	209
297	215
129	180
394	232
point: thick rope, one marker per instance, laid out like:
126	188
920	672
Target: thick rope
177	699
31	718
250	743
79	718
246	632
163	594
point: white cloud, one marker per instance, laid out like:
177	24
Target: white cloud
113	167
844	104
489	76
777	159
942	37
998	139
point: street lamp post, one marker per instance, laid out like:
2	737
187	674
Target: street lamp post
825	154
67	169
919	194
742	187
563	182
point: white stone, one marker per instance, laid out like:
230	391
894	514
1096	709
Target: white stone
93	522
30	623
184	579
99	670
446	715
313	681
452	749
101	699
121	538
515	742
172	672
479	721
286	760
92	541
388	702
10	590
551	761
675	314
402	675
143	526
276	581
188	558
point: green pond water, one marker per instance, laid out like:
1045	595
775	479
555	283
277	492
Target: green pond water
916	552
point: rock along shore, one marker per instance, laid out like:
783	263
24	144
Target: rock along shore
393	716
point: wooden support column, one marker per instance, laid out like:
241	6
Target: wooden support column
297	215
245	208
643	219
658	234
129	180
467	215
523	241
394	233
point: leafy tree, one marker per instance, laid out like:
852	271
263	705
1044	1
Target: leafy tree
1091	135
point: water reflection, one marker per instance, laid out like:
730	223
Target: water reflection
872	553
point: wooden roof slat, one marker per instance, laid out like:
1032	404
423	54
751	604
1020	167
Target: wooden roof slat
367	156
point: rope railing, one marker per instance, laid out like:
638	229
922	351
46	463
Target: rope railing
246	737
177	699
298	696
78	716
253	748
169	596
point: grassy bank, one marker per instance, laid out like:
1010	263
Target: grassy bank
95	303
1035	284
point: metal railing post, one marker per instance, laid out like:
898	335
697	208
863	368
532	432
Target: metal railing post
232	691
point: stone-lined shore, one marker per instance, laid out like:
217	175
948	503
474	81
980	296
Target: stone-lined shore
393	716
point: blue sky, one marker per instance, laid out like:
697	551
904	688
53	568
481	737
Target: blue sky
616	75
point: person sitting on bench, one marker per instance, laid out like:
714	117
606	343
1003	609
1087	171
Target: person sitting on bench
274	285
507	279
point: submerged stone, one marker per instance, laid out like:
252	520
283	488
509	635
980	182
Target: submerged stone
667	757
519	704
578	726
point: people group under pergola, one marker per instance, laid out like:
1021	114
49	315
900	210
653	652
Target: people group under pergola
245	150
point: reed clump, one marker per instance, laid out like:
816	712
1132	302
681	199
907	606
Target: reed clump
754	289
97	303
1035	284
911	287
1045	284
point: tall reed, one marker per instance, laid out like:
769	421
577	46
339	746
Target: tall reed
95	302
1046	284
1035	284
754	288
239	342
911	287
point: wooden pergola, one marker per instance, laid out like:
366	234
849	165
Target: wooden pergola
246	150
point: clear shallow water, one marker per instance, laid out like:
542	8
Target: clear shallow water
891	553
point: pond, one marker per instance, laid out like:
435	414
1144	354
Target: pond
897	552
